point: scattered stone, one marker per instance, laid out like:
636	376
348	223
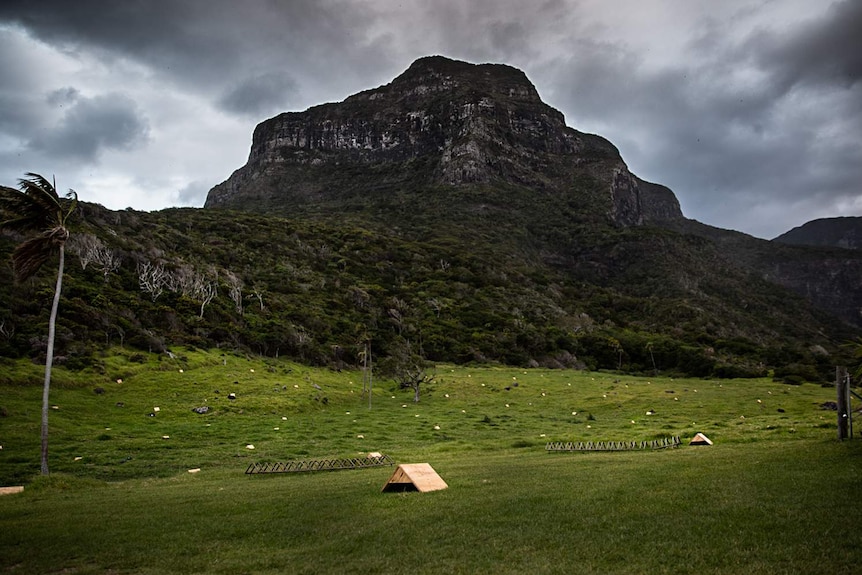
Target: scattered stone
156	410
11	490
829	406
121	404
669	391
231	396
202	409
99	390
780	410
195	470
249	446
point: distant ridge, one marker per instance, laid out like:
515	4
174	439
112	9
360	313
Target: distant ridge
845	232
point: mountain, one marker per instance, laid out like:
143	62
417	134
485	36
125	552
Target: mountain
473	145
441	127
836	232
453	214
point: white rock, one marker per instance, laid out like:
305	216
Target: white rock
249	446
156	410
195	470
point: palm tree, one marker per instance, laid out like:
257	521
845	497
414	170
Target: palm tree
36	207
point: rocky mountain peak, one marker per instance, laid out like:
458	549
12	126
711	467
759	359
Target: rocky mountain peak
441	122
437	74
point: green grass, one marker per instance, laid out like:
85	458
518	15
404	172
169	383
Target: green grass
776	493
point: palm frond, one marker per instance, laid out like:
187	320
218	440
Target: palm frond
30	255
35	205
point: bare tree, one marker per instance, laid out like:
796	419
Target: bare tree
7	331
205	290
152	278
234	286
257	293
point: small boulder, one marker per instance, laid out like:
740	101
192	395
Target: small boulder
203	409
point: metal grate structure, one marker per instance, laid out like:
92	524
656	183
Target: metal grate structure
320	465
613	445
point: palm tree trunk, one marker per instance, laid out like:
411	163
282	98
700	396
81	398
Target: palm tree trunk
49	360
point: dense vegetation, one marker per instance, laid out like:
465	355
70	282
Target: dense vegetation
316	290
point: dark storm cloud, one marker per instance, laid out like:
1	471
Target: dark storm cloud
771	121
827	52
91	125
261	95
201	44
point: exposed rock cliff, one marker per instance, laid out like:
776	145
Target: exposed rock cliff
440	123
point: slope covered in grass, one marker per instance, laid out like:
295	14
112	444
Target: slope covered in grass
773	495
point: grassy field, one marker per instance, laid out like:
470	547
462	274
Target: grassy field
776	493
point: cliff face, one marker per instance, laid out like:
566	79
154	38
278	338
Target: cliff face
440	123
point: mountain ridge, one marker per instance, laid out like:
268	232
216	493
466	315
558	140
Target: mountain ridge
841	232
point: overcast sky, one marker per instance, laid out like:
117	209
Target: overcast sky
750	110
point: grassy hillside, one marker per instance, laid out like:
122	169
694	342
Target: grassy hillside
773	494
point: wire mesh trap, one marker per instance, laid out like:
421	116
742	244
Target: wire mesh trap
320	465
